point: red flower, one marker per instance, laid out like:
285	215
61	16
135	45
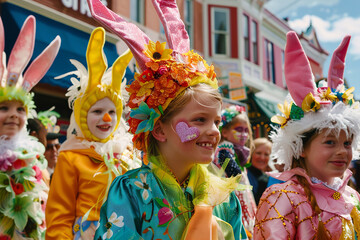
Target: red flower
5	237
18	188
19	164
134	123
146	75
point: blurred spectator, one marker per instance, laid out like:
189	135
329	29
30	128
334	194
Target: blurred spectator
52	150
259	159
49	119
37	129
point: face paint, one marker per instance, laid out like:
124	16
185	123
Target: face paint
240	135
186	133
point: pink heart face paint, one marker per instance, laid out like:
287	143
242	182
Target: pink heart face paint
186	133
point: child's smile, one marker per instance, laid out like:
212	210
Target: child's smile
102	118
12	117
328	156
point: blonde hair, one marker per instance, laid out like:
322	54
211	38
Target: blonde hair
196	92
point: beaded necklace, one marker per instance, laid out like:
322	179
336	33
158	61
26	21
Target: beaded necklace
182	184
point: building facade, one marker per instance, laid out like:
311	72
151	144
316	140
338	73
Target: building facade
243	40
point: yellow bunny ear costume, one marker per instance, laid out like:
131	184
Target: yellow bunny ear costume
96	89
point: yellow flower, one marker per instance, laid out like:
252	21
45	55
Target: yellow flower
310	104
329	95
347	96
157	52
285	109
145	89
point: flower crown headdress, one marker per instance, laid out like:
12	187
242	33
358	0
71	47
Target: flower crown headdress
13	84
229	113
331	107
165	73
96	83
49	118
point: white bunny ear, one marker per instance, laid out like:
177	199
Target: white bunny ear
2	44
22	51
41	64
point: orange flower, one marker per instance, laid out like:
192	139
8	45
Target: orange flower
152	65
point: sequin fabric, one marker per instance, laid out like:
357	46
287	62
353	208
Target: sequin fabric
284	211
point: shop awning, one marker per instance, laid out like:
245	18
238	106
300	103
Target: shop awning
73	42
268	106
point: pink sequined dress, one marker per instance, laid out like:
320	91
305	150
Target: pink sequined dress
284	211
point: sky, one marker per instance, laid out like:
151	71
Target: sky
332	20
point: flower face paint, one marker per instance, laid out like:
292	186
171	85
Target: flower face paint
240	134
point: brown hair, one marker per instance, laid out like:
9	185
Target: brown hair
198	91
321	233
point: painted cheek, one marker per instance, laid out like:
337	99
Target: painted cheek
186	133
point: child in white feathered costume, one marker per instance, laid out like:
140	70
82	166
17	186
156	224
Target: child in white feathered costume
22	189
96	149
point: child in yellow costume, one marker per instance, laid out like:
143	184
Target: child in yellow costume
96	147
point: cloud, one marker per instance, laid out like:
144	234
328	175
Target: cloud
289	7
332	31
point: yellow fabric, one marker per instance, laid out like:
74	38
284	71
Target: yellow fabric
95	90
74	189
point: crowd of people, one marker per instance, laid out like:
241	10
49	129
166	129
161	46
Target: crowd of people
178	165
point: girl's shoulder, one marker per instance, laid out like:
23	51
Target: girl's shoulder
290	189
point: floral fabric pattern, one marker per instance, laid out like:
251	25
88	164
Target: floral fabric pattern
156	214
22	190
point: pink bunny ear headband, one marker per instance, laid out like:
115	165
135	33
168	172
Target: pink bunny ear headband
165	73
13	85
330	108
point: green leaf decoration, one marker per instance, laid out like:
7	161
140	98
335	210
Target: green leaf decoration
160	202
296	113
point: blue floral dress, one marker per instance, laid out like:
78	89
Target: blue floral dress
140	206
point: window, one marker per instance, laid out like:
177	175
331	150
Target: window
246	38
188	19
254	42
269	54
283	68
220	31
137	10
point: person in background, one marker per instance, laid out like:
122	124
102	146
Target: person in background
175	116
52	151
316	136
37	129
234	152
49	119
23	192
259	159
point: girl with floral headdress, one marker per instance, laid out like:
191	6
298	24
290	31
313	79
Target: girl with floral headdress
175	115
22	189
232	154
317	137
95	150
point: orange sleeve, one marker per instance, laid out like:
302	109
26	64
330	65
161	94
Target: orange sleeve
61	204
